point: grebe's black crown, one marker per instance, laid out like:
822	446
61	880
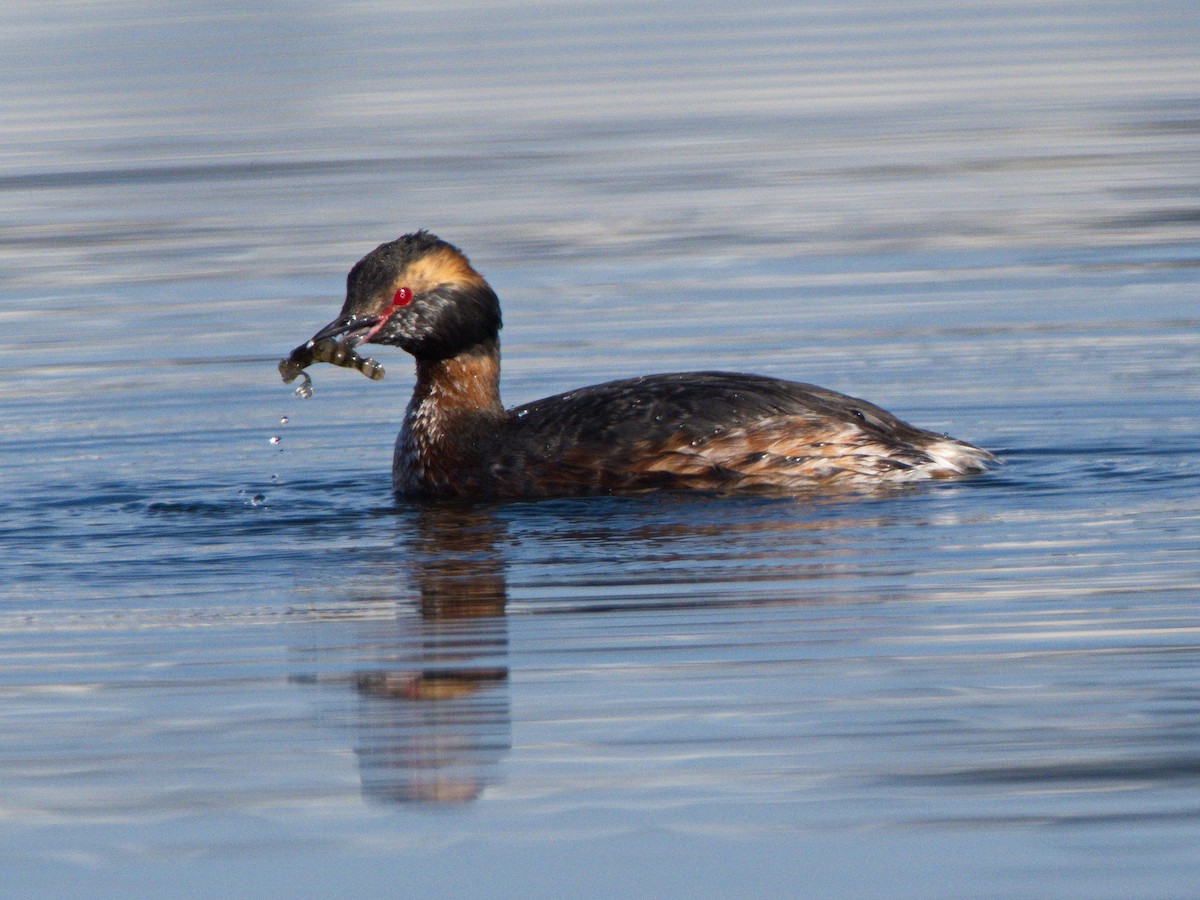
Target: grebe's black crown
376	271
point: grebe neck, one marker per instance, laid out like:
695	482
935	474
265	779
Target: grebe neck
454	413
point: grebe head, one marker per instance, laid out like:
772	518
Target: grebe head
418	293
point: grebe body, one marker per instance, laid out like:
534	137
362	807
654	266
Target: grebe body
707	431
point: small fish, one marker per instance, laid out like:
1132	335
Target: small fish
326	351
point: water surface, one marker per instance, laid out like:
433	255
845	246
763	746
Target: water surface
232	662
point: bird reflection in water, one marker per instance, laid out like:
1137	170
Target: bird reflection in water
434	718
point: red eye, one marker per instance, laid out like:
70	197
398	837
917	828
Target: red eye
402	297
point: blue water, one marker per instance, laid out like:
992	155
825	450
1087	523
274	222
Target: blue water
231	662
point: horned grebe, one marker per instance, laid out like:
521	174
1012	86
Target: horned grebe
708	431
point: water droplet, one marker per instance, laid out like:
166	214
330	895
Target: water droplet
304	389
283	420
275	439
257	500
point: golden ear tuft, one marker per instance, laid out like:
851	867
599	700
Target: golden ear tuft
445	265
